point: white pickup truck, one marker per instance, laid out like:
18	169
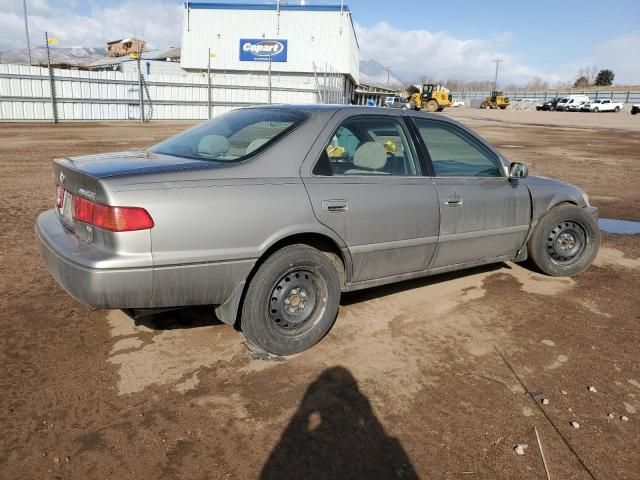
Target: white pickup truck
602	105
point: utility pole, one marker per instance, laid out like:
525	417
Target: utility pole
495	81
388	70
26	29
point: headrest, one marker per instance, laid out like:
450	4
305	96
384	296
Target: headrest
370	155
213	145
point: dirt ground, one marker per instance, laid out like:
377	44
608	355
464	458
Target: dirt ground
431	379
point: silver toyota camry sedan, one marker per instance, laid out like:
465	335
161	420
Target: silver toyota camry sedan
269	213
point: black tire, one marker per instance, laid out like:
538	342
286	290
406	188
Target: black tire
617	109
565	241
296	273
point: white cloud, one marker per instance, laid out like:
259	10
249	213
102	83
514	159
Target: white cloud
621	55
158	22
439	55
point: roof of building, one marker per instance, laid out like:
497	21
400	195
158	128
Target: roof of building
156	55
265	6
124	40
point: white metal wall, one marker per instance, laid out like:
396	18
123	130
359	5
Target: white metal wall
326	38
80	95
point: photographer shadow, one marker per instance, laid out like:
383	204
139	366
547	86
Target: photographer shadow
334	434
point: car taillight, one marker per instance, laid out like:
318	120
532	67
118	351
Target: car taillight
59	194
121	219
83	209
115	219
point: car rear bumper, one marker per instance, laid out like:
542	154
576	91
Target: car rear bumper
132	287
94	287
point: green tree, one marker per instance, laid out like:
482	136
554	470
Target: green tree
604	78
582	81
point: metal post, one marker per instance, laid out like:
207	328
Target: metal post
495	81
269	79
209	85
141	97
52	84
26	29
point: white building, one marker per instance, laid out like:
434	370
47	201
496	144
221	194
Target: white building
311	50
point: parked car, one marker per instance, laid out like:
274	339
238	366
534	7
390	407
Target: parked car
269	213
564	103
394	102
549	105
576	106
457	103
602	105
635	109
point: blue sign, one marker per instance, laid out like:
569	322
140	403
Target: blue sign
261	49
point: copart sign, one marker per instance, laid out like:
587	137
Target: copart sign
260	50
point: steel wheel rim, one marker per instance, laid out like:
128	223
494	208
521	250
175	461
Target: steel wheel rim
297	301
566	242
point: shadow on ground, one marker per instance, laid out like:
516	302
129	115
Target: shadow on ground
204	315
385	290
176	318
335	434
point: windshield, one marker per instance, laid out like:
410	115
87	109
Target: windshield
233	136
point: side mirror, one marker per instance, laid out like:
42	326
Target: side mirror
518	170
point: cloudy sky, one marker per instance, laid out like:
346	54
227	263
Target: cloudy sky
456	39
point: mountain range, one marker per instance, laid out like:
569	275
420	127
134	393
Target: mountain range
372	72
75	55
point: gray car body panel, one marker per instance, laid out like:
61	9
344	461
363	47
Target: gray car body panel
215	221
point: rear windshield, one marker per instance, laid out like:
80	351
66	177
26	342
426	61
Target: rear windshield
233	136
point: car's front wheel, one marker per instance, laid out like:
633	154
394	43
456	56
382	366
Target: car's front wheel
292	301
565	241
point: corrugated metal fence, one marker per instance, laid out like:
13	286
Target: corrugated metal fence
26	94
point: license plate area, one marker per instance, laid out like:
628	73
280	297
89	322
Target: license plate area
64	207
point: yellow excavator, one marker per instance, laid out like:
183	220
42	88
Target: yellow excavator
428	96
496	100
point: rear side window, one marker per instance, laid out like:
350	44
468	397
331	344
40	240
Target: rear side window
369	145
233	136
454	154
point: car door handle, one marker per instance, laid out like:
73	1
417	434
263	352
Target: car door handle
335	205
453	202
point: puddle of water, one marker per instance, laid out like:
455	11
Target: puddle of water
624	227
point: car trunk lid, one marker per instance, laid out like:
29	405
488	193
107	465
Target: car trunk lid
77	179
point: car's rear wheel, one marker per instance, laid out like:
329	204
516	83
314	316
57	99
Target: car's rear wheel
292	301
565	241
617	109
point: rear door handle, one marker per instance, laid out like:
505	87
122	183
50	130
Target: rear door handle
335	205
453	202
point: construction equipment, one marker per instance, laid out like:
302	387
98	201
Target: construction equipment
496	100
428	96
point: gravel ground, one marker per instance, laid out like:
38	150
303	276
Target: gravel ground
437	378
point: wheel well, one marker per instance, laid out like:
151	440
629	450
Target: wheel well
316	240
